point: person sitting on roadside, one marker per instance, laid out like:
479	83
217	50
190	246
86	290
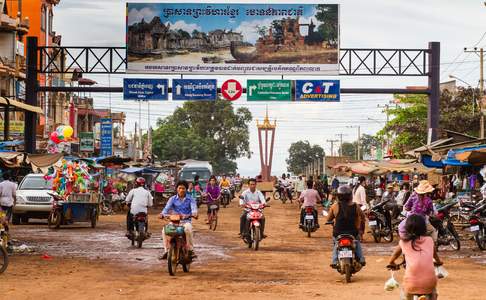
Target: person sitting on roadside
213	194
138	199
347	217
309	198
251	195
419	252
184	205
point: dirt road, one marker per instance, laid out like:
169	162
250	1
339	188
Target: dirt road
101	264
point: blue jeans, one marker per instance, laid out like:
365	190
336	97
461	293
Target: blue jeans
357	250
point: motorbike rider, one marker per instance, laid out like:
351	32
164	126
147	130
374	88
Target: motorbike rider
251	195
309	197
138	199
213	194
182	204
347	217
284	183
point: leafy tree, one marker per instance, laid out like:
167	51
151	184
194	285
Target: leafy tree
368	142
211	131
277	31
408	125
328	16
184	34
301	153
261	30
348	149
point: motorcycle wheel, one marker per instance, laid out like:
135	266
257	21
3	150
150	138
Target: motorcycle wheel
256	237
225	201
376	233
141	234
480	239
459	219
3	259
172	258
276	195
347	272
389	237
54	220
308	228
185	268
455	243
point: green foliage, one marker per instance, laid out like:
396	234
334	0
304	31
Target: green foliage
211	131
349	149
408	126
301	153
328	15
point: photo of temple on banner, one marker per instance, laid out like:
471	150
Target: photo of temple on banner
233	38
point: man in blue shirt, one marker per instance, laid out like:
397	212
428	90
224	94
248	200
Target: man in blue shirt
184	205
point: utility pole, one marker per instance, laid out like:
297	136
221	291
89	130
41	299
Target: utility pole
480	53
340	135
358	151
332	145
386	110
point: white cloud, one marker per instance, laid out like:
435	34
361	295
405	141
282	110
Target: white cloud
184	26
135	15
249	29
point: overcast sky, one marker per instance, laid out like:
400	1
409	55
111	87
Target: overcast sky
364	24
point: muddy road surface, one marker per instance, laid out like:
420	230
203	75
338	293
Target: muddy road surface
77	262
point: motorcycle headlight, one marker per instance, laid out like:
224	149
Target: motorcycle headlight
21	199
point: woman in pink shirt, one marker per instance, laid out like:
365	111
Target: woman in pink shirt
309	197
419	252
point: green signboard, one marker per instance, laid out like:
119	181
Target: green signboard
269	90
86	142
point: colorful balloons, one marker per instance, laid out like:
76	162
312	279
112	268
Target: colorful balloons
55	137
67	132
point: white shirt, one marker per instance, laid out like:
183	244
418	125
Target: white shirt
7	192
360	196
248	197
140	199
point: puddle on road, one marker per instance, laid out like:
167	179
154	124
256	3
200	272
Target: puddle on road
111	245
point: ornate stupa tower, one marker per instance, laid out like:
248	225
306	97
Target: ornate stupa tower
266	130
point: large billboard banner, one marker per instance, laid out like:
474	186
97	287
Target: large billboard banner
233	38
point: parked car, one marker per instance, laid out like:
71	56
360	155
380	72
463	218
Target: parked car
33	201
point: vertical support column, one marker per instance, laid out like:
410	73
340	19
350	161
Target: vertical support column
262	163
433	113
269	172
6	124
31	96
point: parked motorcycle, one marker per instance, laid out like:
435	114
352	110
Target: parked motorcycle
310	224
139	232
377	223
178	253
478	226
447	234
279	193
254	215
56	214
225	197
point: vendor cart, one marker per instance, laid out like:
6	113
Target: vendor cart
77	207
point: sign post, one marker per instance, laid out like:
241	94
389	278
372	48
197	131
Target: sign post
145	89
231	90
194	89
106	127
269	90
86	142
317	90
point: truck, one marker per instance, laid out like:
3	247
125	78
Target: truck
196	167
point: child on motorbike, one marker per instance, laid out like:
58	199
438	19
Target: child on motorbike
419	253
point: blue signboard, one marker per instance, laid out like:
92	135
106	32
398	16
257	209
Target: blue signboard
317	90
145	89
106	147
194	89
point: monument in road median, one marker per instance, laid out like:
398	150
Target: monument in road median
233	38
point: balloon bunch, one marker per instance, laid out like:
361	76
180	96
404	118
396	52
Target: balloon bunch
63	133
71	177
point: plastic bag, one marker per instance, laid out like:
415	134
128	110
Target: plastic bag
441	272
391	283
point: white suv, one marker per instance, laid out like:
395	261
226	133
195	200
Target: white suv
33	201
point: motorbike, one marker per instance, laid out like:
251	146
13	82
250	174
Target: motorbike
447	234
254	215
56	214
3	244
377	223
199	199
478	226
238	186
225	197
139	232
310	224
178	252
